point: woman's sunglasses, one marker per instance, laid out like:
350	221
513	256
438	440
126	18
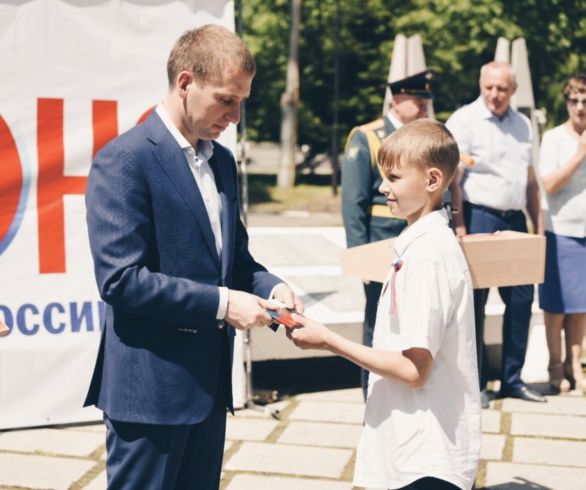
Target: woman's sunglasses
574	102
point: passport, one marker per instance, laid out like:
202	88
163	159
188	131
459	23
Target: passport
282	316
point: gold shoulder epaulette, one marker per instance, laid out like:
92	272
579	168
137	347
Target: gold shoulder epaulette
371	129
373	125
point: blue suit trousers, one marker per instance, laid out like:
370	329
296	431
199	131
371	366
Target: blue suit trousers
168	457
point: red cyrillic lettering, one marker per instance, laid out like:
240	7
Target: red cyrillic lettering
10	179
52	186
104	122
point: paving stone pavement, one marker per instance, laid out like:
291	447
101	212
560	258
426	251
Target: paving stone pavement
312	447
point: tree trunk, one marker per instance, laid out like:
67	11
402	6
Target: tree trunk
290	104
335	150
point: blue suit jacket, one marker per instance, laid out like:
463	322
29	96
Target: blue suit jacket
162	355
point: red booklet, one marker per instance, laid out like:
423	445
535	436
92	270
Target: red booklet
283	316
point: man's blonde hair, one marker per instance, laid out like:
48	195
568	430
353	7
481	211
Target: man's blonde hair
424	144
208	52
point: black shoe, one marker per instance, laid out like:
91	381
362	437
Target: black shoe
484	399
522	392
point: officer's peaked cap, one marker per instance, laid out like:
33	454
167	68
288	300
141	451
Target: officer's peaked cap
420	85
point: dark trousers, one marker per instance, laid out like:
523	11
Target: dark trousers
430	483
169	457
166	457
517	300
372	292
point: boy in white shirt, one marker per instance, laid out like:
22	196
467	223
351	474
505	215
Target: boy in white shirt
422	426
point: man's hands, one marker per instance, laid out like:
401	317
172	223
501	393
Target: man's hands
246	310
285	295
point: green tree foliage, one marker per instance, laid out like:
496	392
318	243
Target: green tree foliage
266	30
555	31
458	35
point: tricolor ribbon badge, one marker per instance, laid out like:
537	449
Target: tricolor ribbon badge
397	264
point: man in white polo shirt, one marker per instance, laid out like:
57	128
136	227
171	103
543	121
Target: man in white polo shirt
496	186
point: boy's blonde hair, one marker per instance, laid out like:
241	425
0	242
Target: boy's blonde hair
424	144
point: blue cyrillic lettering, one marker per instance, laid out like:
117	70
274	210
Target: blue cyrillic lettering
48	318
55	317
82	316
21	322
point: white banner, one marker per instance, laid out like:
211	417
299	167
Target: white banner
74	75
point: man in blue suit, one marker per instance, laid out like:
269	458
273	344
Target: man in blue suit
172	264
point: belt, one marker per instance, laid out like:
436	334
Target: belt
381	211
509	213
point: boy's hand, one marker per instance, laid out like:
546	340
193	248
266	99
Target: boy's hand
309	334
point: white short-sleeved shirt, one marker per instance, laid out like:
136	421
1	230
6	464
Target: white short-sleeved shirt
502	152
564	211
434	430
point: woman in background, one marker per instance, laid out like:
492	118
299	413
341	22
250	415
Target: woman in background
562	169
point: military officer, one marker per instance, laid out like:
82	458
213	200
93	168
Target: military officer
366	216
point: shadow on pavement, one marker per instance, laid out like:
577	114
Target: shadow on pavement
518	484
293	376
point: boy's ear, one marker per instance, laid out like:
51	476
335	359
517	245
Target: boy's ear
435	179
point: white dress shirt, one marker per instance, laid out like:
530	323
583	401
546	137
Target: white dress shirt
198	161
501	149
394	121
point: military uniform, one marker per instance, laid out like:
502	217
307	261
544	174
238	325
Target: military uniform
367	218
